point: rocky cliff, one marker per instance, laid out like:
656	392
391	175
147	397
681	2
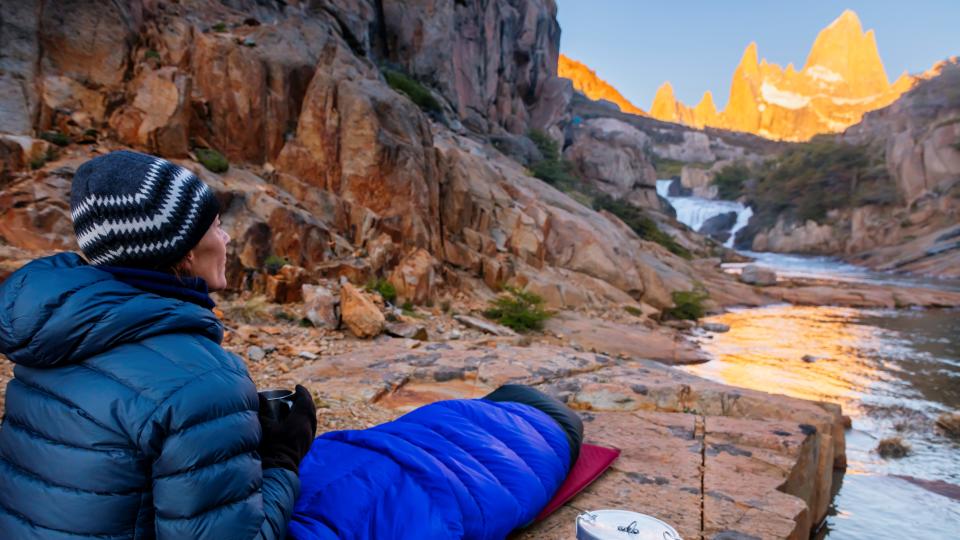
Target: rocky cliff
334	165
842	79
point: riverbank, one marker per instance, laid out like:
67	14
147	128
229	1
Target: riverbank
708	457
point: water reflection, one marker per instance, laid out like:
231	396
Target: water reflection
805	352
892	371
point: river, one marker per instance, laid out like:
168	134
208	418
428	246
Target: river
893	372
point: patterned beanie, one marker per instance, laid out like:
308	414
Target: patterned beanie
135	210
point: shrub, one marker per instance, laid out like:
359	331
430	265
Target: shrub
152	54
687	305
211	159
642	224
730	179
417	93
893	447
808	180
384	288
555	172
220	27
274	263
547	146
518	309
633	310
55	137
671	168
42	159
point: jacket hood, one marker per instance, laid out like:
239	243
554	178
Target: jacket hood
59	310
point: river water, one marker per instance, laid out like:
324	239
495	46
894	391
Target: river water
893	372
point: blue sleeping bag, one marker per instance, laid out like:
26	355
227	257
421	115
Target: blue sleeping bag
471	469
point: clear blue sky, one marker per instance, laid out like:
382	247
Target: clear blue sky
636	45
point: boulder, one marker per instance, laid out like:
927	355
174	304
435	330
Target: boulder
715	327
718	227
407	331
758	275
361	316
612	156
415	277
484	326
320	306
285	286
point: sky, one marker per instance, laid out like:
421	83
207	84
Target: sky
636	45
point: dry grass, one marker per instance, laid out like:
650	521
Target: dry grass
950	424
893	447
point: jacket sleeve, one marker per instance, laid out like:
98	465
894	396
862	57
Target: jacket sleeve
207	480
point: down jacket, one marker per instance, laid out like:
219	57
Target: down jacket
125	418
460	469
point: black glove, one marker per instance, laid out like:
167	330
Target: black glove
285	442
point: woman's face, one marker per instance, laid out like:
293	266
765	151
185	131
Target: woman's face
208	260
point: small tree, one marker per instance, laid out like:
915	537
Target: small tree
518	309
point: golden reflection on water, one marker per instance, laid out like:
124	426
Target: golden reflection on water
764	350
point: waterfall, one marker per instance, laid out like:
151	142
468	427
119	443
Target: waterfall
695	211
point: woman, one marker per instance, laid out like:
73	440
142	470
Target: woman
125	417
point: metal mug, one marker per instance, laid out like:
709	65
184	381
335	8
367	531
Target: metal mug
279	402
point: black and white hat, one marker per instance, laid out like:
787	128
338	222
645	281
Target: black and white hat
136	210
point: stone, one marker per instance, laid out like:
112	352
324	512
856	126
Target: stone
320	306
286	285
758	275
360	314
611	155
809	358
718	227
307	355
950	424
415	277
255	353
715	327
484	326
407	330
454	334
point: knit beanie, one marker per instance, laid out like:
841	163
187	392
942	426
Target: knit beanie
140	211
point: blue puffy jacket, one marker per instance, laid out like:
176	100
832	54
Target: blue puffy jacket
125	417
461	469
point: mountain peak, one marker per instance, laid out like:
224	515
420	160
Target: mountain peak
847	21
587	81
665	103
844	50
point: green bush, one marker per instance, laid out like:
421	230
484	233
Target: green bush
545	143
687	305
42	159
55	137
808	180
412	89
220	27
730	179
384	288
152	54
671	168
556	173
518	309
633	310
211	159
643	225
274	263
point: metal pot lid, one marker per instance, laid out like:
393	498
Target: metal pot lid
613	524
